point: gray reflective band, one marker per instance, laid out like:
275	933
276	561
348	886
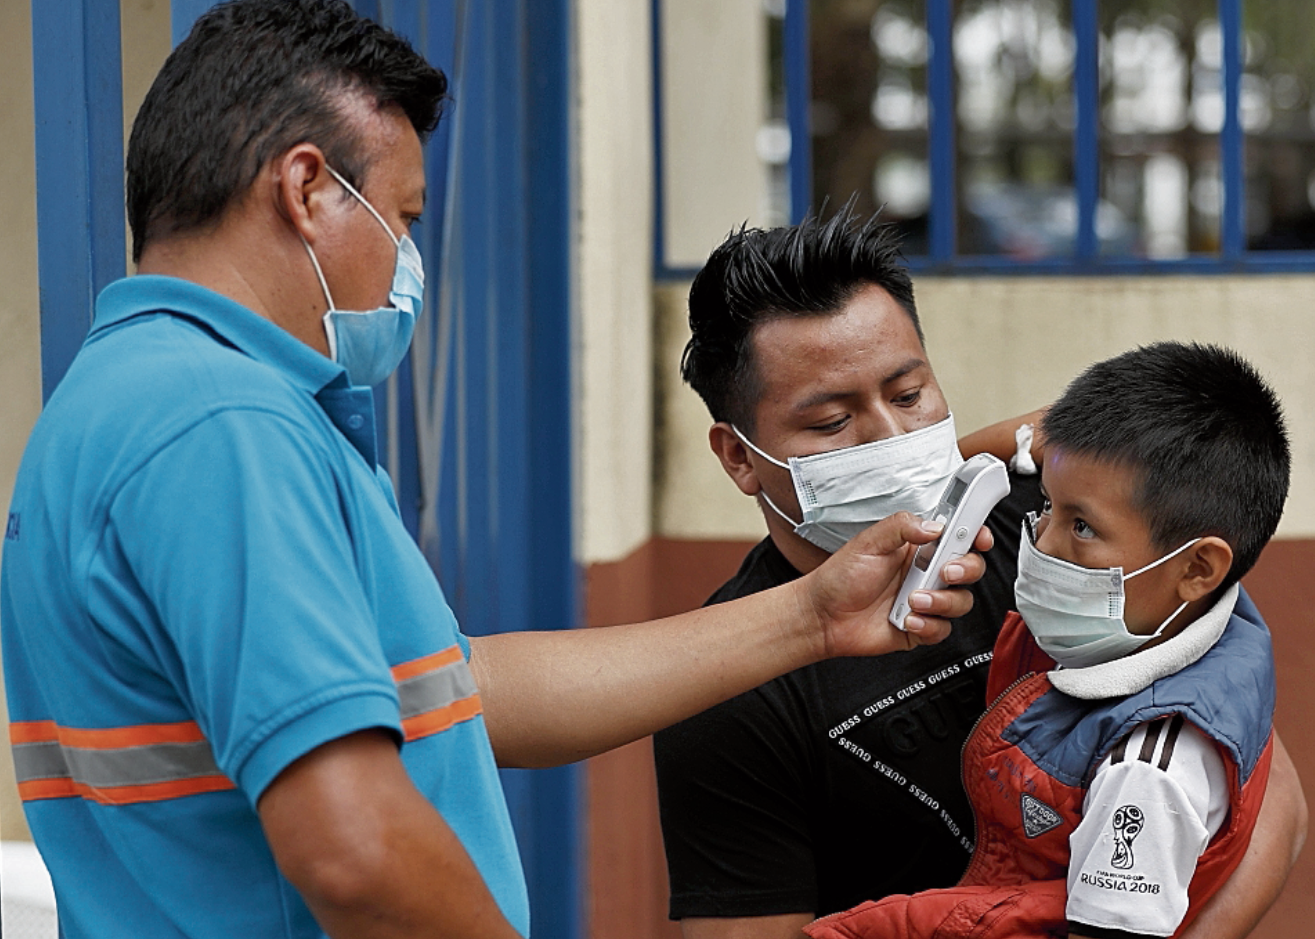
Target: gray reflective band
436	689
120	766
39	761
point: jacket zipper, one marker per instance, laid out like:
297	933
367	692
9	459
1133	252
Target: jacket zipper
963	775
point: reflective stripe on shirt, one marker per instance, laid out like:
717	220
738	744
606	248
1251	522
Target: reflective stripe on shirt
114	766
153	762
436	692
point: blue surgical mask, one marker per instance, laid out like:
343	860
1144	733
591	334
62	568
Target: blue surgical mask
370	344
1076	613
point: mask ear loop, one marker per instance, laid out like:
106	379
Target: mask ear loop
361	199
1183	605
329	331
749	443
770	459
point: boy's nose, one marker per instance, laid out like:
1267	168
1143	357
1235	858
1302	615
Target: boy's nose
1042	525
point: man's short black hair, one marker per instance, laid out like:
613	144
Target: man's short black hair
756	275
253	79
1200	428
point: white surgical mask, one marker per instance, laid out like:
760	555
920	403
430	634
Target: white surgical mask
841	492
370	344
1076	613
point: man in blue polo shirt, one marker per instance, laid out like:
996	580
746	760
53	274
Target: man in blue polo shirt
240	705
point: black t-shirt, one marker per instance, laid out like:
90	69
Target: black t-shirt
838	782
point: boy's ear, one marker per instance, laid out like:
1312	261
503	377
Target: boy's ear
734	457
1209	561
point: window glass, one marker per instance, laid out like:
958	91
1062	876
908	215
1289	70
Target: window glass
869	113
1277	109
1161	101
1161	111
1013	66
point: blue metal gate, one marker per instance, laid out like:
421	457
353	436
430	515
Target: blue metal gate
476	423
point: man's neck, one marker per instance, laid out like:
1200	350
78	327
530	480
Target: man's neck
252	268
804	556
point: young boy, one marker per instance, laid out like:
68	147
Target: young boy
1117	775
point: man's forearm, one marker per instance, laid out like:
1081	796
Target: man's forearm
369	854
551	698
1278	837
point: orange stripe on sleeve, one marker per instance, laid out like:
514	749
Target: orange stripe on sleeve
111	738
33	732
59	788
140	735
64	788
428	663
156	792
440	719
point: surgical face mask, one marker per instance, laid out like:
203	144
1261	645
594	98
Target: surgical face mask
370	344
841	492
1076	613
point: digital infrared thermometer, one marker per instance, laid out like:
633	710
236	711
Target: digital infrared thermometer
968	498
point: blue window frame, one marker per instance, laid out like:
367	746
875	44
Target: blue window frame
1231	64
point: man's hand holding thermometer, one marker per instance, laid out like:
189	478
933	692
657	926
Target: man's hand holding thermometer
968	498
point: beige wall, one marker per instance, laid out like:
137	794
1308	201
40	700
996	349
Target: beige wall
714	89
20	347
714	84
614	339
1004	346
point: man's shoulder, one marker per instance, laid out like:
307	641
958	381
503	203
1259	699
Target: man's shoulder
159	373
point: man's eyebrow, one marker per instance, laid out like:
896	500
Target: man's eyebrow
908	365
825	397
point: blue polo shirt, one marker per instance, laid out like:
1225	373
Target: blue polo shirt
204	578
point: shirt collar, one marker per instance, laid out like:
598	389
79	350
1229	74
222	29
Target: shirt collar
242	328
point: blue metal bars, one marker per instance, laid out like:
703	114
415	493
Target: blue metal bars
78	92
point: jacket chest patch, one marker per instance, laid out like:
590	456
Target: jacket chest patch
1038	818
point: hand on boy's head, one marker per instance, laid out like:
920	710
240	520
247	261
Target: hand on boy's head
852	593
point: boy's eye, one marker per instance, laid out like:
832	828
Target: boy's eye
1082	529
1045	506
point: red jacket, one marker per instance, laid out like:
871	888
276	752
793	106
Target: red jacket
1038	746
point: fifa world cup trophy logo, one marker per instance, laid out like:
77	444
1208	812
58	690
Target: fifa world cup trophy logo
1128	822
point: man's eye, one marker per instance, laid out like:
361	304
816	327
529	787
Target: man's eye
831	425
906	400
1082	529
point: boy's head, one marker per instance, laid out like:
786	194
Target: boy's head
1189	437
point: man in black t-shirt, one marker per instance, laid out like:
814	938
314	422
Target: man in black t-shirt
840	782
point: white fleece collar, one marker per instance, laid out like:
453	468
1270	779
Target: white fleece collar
1133	673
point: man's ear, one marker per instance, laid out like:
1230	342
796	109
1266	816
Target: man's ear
302	187
1208	563
734	456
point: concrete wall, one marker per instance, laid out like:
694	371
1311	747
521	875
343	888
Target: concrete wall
714	89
